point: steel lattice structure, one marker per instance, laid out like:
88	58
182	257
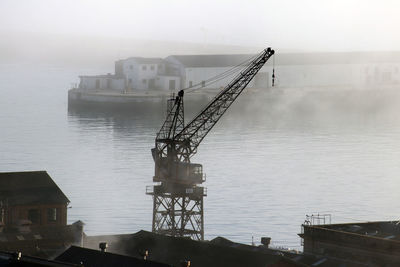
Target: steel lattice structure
178	198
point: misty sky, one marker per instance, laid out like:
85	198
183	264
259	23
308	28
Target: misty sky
320	25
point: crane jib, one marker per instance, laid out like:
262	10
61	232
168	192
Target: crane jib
177	142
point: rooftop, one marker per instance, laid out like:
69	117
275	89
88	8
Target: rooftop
31	187
147	60
19	259
230	60
387	230
92	257
217	252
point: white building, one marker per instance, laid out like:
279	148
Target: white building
147	74
364	69
134	74
313	70
198	69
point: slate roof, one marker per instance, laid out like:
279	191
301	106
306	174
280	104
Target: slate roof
97	258
33	187
217	61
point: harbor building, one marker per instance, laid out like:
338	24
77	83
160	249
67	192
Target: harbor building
134	74
33	213
197	69
369	243
31	196
147	74
139	79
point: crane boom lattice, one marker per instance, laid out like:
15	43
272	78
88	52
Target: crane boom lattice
178	198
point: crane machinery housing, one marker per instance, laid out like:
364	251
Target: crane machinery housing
178	196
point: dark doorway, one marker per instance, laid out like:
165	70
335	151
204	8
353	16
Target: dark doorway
152	84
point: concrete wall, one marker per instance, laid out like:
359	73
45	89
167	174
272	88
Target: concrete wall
90	83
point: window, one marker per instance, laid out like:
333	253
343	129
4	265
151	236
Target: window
52	214
144	67
34	216
190	83
152	67
198	170
144	81
203	83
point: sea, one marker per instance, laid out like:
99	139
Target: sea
275	157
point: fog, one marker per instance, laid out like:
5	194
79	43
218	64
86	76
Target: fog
92	31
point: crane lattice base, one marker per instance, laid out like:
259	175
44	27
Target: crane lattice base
178	213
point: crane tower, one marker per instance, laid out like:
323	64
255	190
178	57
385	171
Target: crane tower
178	194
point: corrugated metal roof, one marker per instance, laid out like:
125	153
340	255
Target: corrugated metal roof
217	61
211	61
147	60
34	187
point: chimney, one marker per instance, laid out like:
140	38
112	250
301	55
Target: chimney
265	241
144	254
185	263
103	246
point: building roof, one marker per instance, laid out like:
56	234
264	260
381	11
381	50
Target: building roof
91	257
110	76
147	60
229	60
33	187
386	230
199	253
19	259
211	61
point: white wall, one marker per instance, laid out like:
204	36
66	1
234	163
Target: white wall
89	84
137	73
336	75
163	82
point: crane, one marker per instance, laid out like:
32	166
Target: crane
178	198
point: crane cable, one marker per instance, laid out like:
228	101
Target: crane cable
221	76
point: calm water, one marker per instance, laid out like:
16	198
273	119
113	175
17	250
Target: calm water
270	161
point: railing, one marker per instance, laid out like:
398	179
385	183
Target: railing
318	219
149	189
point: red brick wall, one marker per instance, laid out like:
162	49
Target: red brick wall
16	213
